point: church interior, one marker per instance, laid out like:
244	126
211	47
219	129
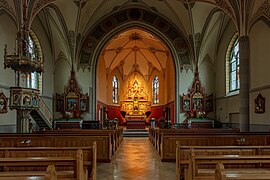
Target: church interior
172	69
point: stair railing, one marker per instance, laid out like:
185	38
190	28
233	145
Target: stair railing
45	112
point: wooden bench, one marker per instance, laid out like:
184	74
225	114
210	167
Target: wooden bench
240	174
30	164
116	135
73	139
183	153
89	156
166	140
50	174
197	164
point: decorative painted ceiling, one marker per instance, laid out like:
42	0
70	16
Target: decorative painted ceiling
135	49
75	27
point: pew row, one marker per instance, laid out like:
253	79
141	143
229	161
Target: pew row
165	140
88	156
116	135
73	139
240	174
32	164
50	174
197	166
184	154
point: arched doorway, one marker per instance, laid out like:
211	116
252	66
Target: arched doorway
135	76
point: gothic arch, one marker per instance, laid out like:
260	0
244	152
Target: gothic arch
106	29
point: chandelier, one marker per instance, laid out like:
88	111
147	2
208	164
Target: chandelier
24	59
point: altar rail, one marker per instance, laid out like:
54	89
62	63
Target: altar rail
164	140
79	138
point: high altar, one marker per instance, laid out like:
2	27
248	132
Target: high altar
135	103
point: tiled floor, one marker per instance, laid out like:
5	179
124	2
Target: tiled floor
136	159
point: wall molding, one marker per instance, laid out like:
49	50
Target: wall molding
260	88
46	97
4	86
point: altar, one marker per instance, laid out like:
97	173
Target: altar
135	122
135	104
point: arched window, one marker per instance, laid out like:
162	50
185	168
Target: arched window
34	80
155	88
233	66
115	89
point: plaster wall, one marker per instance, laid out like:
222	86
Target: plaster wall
7	76
259	69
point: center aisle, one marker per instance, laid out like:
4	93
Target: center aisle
136	159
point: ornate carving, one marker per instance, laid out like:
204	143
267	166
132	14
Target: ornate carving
191	4
259	104
40	4
263	10
72	102
4	4
3	103
71	38
128	15
224	5
82	2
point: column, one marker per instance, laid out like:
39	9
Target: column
23	116
244	54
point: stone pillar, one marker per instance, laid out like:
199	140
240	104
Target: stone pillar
23	116
244	54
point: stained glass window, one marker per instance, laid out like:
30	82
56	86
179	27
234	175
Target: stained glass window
115	89
233	66
34	80
155	88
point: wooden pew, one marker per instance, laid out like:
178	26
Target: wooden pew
116	135
34	163
183	153
89	156
104	153
157	135
240	174
249	162
50	174
166	140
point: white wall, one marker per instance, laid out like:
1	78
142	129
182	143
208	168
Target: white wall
225	105
7	76
259	68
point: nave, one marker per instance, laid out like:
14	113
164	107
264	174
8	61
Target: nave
136	159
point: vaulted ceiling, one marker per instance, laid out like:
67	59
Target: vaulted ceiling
68	23
135	49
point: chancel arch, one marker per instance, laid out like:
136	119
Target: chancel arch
135	56
103	32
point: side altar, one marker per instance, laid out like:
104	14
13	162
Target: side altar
135	105
197	104
71	104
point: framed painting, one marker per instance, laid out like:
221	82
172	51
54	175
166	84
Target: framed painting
59	105
3	103
259	104
209	103
26	99
71	104
186	104
84	103
198	104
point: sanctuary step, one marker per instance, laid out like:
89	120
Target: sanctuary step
136	133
